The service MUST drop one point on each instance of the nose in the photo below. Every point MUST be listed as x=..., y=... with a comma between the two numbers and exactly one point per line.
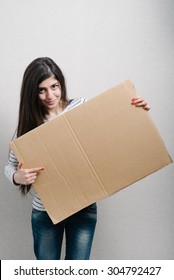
x=49, y=94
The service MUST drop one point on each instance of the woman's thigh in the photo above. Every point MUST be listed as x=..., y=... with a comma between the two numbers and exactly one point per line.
x=47, y=237
x=80, y=229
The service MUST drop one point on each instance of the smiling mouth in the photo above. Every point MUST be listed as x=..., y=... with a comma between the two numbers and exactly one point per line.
x=50, y=103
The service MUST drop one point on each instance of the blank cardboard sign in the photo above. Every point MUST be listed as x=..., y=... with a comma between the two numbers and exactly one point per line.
x=92, y=151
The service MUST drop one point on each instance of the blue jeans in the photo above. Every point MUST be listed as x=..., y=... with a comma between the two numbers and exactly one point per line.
x=79, y=231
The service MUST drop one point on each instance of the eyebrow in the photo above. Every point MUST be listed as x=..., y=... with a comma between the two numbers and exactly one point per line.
x=57, y=83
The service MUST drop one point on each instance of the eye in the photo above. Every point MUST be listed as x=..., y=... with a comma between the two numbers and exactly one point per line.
x=41, y=90
x=55, y=86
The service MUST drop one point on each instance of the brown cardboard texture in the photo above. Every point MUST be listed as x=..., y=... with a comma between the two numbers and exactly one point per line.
x=92, y=151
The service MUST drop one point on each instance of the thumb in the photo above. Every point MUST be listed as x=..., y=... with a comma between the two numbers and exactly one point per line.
x=20, y=165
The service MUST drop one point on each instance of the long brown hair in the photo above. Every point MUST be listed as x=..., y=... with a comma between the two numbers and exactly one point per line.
x=31, y=111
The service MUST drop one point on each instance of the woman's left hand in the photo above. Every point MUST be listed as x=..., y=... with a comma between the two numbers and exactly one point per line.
x=140, y=102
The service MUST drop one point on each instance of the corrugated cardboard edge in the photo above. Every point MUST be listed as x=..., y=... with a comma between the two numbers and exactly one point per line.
x=127, y=85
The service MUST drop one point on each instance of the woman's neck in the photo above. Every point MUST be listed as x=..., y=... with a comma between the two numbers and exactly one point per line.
x=52, y=113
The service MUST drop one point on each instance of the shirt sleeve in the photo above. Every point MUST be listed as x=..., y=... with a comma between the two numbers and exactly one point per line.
x=11, y=167
x=76, y=102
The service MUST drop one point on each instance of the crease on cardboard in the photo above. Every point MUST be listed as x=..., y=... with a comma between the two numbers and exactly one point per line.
x=61, y=176
x=54, y=202
x=46, y=151
x=85, y=155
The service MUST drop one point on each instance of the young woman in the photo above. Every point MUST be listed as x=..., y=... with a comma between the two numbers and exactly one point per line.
x=43, y=97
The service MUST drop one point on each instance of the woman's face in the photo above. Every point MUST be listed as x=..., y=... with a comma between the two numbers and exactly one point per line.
x=50, y=93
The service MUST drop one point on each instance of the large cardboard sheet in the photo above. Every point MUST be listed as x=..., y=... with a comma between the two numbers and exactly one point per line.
x=92, y=151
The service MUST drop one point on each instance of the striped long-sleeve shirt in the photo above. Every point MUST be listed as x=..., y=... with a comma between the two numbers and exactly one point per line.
x=12, y=163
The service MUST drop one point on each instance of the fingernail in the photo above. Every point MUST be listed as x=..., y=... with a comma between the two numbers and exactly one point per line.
x=133, y=99
x=42, y=168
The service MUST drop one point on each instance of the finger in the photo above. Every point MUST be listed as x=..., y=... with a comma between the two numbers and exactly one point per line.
x=30, y=180
x=137, y=99
x=20, y=164
x=141, y=103
x=35, y=170
x=28, y=175
x=147, y=108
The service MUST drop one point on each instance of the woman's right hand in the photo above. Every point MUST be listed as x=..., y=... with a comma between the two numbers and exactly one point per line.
x=26, y=176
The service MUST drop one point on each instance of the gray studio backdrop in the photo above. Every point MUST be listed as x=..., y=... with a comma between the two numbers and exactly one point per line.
x=97, y=44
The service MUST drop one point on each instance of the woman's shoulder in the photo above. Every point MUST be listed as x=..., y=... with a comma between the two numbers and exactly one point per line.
x=75, y=102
